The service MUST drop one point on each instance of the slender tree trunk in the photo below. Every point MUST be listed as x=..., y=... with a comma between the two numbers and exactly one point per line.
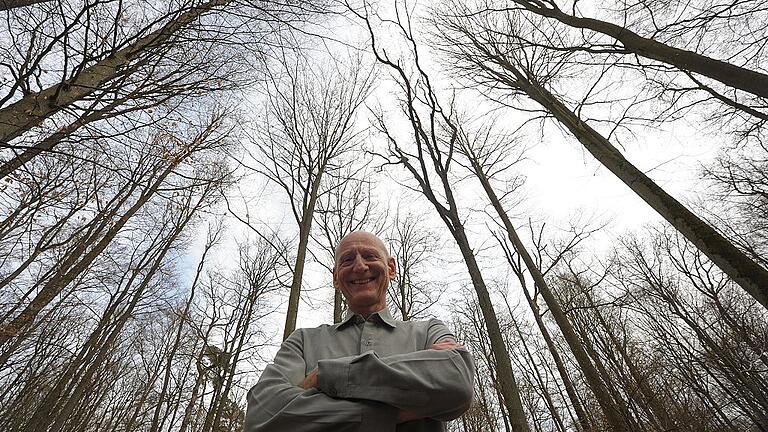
x=509, y=388
x=298, y=274
x=433, y=158
x=570, y=389
x=305, y=228
x=612, y=388
x=177, y=339
x=336, y=306
x=539, y=380
x=610, y=410
x=243, y=327
x=190, y=408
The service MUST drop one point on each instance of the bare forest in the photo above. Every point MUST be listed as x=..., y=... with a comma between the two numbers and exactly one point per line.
x=175, y=176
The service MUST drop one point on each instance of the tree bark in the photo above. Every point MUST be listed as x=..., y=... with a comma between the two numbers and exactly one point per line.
x=13, y=4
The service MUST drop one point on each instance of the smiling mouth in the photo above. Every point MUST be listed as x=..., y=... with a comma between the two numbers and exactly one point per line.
x=362, y=281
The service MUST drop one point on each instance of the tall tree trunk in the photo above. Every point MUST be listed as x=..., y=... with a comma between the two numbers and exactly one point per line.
x=186, y=420
x=509, y=388
x=429, y=165
x=570, y=389
x=612, y=413
x=155, y=424
x=336, y=306
x=305, y=228
x=560, y=426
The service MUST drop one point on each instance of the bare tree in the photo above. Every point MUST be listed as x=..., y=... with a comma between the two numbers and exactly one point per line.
x=487, y=412
x=347, y=207
x=104, y=230
x=306, y=133
x=632, y=43
x=213, y=237
x=738, y=201
x=670, y=336
x=480, y=44
x=31, y=110
x=486, y=157
x=428, y=159
x=141, y=59
x=414, y=245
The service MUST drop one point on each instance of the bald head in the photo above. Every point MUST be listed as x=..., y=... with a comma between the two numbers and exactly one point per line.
x=360, y=236
x=362, y=271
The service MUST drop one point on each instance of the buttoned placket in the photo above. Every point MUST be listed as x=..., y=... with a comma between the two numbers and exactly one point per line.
x=367, y=336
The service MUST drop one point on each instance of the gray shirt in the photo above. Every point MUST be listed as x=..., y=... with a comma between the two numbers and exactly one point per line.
x=368, y=370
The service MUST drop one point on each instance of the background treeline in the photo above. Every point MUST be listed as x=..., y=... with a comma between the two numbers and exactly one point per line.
x=174, y=177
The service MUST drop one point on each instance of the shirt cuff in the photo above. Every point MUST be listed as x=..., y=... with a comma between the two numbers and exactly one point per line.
x=333, y=377
x=378, y=417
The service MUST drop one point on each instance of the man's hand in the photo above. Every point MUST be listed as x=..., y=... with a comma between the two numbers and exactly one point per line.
x=310, y=380
x=404, y=416
x=446, y=344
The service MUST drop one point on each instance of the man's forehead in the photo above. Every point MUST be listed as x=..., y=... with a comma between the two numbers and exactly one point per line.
x=361, y=239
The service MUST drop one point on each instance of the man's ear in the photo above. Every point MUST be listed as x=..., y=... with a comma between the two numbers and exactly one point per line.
x=335, y=281
x=392, y=265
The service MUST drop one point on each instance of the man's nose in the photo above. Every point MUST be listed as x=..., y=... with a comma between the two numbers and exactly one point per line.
x=359, y=264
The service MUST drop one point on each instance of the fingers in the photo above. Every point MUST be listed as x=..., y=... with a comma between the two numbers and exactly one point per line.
x=446, y=344
x=310, y=380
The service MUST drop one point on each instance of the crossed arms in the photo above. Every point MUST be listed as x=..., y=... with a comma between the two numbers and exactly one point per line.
x=360, y=393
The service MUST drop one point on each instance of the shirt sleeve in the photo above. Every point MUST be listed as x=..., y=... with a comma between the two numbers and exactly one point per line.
x=431, y=383
x=276, y=403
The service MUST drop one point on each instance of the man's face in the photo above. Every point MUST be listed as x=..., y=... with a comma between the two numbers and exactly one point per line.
x=362, y=272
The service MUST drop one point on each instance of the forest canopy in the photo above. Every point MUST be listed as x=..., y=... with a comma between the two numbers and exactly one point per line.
x=578, y=189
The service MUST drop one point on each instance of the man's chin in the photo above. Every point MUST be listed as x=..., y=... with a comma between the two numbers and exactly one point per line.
x=366, y=300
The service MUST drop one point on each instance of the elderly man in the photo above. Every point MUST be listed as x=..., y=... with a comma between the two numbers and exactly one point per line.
x=369, y=372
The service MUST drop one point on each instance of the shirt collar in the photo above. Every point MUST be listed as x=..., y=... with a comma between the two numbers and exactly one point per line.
x=381, y=316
